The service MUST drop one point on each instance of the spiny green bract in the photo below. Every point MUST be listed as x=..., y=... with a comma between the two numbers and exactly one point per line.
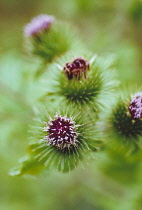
x=42, y=155
x=127, y=130
x=89, y=91
x=59, y=39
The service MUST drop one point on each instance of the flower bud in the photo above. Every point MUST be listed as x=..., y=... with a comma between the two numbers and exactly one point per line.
x=49, y=39
x=126, y=123
x=81, y=79
x=62, y=139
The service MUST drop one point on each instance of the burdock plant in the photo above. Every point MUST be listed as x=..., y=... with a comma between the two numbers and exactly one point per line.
x=48, y=38
x=126, y=121
x=62, y=138
x=81, y=79
x=76, y=83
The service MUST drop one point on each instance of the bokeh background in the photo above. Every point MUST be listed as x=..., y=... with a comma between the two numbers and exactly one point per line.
x=112, y=181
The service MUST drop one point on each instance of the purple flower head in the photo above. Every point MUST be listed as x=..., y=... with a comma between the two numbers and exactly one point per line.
x=135, y=107
x=61, y=132
x=38, y=24
x=76, y=69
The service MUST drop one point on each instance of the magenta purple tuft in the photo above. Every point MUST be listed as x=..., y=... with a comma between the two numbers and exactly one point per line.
x=135, y=107
x=38, y=24
x=61, y=132
x=76, y=69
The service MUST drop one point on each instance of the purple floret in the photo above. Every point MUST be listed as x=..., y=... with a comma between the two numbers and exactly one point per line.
x=135, y=107
x=76, y=69
x=61, y=132
x=38, y=24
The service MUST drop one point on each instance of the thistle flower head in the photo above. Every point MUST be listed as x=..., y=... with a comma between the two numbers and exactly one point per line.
x=61, y=132
x=125, y=122
x=76, y=69
x=66, y=140
x=38, y=24
x=135, y=107
x=84, y=82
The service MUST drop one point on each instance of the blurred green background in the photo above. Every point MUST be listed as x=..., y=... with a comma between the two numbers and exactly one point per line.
x=112, y=181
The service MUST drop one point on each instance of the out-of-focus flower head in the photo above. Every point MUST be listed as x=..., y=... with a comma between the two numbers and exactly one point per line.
x=38, y=24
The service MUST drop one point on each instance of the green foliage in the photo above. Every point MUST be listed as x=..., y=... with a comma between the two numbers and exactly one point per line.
x=135, y=10
x=121, y=167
